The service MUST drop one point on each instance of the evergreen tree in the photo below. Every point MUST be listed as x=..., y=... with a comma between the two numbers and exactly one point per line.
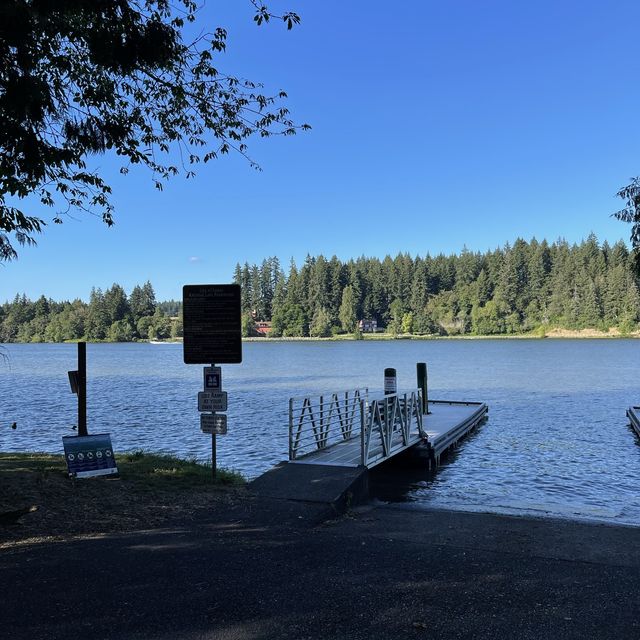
x=98, y=318
x=320, y=326
x=116, y=304
x=142, y=301
x=348, y=318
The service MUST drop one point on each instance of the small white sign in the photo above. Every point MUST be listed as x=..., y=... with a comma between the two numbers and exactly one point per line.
x=214, y=423
x=390, y=385
x=212, y=401
x=212, y=378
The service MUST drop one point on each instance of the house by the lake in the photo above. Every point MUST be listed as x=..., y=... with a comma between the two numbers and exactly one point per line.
x=368, y=326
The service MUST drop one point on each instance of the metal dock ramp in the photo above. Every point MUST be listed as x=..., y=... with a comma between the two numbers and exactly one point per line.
x=350, y=429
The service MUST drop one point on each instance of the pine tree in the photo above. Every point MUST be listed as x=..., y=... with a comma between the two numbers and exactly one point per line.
x=348, y=318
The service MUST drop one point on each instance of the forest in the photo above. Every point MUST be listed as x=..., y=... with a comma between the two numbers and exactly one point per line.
x=109, y=316
x=520, y=288
x=528, y=287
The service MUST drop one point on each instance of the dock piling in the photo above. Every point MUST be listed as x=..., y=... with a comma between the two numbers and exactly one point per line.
x=421, y=371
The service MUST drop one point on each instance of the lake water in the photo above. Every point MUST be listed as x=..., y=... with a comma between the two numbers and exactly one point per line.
x=556, y=443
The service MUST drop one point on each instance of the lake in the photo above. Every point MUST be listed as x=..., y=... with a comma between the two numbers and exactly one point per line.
x=557, y=441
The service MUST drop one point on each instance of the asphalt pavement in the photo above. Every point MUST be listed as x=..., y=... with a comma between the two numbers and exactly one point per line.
x=276, y=569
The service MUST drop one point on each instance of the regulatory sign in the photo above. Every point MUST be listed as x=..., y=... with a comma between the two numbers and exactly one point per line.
x=89, y=456
x=213, y=423
x=212, y=326
x=212, y=378
x=212, y=401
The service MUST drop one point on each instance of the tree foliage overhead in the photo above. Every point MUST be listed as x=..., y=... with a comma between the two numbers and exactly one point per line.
x=631, y=214
x=80, y=77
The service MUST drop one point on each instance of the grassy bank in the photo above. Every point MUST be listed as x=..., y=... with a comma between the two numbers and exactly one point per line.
x=39, y=500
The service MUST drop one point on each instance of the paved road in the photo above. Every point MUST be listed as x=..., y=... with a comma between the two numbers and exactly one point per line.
x=269, y=570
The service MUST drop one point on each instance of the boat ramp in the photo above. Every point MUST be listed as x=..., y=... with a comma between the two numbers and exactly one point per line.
x=337, y=438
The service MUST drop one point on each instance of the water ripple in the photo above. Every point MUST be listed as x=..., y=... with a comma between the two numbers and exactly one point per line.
x=556, y=443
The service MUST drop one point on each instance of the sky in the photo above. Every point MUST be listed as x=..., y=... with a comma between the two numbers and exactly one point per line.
x=435, y=126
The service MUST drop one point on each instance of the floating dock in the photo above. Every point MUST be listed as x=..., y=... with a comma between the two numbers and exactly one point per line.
x=633, y=413
x=446, y=423
x=334, y=440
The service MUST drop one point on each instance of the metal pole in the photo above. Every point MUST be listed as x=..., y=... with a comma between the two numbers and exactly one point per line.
x=82, y=389
x=363, y=460
x=421, y=370
x=214, y=462
x=292, y=454
x=213, y=456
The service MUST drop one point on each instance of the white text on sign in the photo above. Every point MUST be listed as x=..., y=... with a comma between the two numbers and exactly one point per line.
x=212, y=401
x=214, y=423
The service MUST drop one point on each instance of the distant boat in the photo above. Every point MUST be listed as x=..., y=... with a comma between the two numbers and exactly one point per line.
x=162, y=342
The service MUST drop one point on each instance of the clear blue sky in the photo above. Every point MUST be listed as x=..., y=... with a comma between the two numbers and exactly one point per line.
x=435, y=125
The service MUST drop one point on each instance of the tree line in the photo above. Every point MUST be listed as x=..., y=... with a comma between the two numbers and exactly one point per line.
x=524, y=287
x=109, y=315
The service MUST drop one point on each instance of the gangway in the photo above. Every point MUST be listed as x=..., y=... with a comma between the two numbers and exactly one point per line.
x=352, y=429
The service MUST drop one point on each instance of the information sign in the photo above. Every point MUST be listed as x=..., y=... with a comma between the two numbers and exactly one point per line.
x=214, y=423
x=212, y=323
x=89, y=456
x=212, y=378
x=212, y=401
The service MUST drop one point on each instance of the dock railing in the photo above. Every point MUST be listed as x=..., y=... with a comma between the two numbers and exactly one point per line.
x=384, y=425
x=316, y=423
x=390, y=424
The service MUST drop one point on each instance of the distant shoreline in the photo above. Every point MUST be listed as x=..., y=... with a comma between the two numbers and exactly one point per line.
x=553, y=334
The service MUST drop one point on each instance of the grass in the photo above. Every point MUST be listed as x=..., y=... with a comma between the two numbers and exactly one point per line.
x=151, y=489
x=171, y=472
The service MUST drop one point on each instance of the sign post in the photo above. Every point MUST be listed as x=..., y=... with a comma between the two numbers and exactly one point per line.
x=78, y=382
x=214, y=460
x=212, y=333
x=82, y=389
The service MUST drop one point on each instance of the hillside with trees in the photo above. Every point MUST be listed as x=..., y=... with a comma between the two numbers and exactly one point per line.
x=519, y=288
x=527, y=287
x=109, y=316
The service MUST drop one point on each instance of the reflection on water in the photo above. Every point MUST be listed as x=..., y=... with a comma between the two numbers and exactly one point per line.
x=557, y=440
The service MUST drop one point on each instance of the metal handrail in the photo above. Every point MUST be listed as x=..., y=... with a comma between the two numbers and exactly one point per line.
x=312, y=423
x=386, y=424
x=396, y=419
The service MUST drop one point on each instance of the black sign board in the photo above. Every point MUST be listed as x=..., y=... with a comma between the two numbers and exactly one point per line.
x=212, y=323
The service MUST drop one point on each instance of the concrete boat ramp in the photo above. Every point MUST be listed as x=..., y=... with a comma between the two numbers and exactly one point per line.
x=335, y=440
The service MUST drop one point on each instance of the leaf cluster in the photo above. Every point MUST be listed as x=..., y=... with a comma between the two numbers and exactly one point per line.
x=84, y=77
x=631, y=213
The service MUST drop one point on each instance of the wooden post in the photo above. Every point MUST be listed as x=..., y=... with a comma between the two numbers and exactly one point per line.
x=82, y=389
x=421, y=370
